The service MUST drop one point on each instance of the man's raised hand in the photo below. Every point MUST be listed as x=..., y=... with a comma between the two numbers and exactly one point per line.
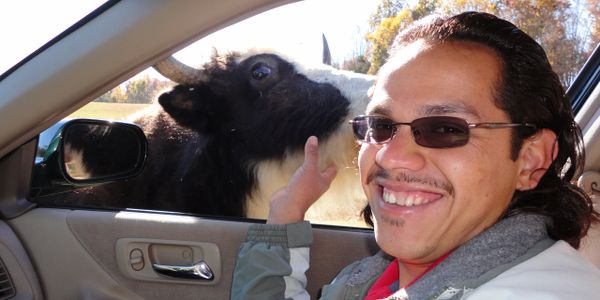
x=307, y=184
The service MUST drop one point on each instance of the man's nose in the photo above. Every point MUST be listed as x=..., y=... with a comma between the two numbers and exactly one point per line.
x=401, y=152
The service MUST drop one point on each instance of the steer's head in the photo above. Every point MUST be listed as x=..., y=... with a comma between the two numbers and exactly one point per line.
x=263, y=102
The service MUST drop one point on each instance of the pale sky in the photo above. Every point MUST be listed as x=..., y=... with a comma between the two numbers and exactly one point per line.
x=296, y=30
x=25, y=25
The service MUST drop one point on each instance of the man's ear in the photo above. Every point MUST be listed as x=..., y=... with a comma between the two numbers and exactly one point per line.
x=535, y=157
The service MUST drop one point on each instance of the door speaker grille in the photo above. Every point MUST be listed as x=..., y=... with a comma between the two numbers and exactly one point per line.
x=7, y=288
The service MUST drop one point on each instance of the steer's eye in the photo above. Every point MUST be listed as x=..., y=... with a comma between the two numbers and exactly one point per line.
x=260, y=72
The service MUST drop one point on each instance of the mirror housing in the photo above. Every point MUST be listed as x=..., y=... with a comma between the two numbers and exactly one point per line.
x=84, y=152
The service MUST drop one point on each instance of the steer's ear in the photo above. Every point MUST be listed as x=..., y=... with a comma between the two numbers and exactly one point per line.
x=193, y=106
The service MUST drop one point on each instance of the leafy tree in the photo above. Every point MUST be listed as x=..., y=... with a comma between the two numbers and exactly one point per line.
x=593, y=7
x=548, y=22
x=137, y=91
x=358, y=64
x=562, y=27
x=143, y=90
x=386, y=9
x=392, y=17
x=382, y=38
x=423, y=8
x=116, y=95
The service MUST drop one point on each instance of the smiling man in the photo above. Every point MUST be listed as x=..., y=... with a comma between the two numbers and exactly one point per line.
x=463, y=161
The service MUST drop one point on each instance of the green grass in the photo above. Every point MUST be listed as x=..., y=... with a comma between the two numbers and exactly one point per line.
x=110, y=111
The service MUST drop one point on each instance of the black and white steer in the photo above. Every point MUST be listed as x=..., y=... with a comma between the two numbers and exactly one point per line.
x=232, y=133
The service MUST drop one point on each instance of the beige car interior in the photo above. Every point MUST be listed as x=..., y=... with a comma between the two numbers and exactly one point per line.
x=54, y=253
x=589, y=120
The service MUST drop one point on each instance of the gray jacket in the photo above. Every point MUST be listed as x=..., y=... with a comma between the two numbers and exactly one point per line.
x=272, y=262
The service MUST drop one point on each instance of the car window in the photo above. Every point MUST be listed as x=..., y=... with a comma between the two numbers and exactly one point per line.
x=177, y=178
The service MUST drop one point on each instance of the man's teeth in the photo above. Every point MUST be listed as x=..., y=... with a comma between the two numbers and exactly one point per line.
x=403, y=199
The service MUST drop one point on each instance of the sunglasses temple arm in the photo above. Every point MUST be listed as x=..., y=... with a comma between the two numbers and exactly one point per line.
x=502, y=125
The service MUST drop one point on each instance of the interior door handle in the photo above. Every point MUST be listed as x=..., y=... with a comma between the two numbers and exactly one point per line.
x=199, y=270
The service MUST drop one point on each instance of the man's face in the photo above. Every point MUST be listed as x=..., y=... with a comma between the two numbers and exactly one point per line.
x=455, y=193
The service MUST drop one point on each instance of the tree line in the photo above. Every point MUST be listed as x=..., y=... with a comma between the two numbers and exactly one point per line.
x=143, y=90
x=568, y=30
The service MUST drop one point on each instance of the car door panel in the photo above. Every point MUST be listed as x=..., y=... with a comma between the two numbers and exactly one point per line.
x=85, y=246
x=17, y=275
x=64, y=266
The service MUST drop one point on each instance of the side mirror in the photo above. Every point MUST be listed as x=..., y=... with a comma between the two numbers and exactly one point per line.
x=85, y=152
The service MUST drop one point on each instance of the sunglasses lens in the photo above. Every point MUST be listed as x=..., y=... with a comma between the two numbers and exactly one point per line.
x=360, y=128
x=373, y=130
x=440, y=132
x=431, y=132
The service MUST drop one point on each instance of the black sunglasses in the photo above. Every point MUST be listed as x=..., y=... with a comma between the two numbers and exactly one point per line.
x=430, y=132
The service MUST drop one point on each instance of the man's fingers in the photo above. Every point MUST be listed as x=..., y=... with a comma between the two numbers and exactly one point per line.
x=308, y=183
x=311, y=152
x=311, y=161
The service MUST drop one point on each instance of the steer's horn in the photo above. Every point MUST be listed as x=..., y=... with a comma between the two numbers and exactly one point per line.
x=326, y=52
x=179, y=72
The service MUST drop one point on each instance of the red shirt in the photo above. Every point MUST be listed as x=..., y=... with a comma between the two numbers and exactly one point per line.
x=388, y=283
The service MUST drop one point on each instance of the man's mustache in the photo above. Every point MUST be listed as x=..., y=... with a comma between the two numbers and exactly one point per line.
x=379, y=172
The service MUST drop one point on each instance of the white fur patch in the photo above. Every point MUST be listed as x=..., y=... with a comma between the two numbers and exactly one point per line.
x=340, y=205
